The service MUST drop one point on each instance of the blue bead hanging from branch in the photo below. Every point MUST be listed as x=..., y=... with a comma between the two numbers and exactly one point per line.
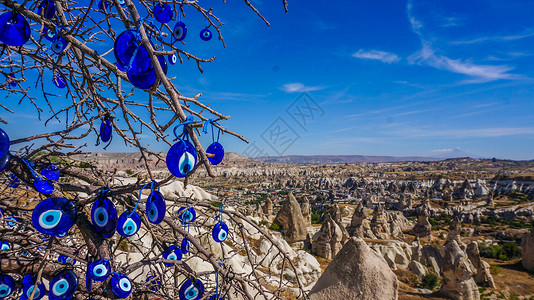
x=54, y=216
x=220, y=230
x=41, y=184
x=215, y=150
x=104, y=215
x=182, y=156
x=63, y=285
x=14, y=29
x=28, y=283
x=7, y=286
x=121, y=285
x=191, y=289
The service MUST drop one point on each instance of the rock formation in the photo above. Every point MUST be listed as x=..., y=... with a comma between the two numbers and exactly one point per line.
x=458, y=272
x=306, y=210
x=422, y=229
x=483, y=276
x=360, y=226
x=334, y=212
x=379, y=223
x=329, y=239
x=357, y=272
x=527, y=248
x=268, y=207
x=290, y=219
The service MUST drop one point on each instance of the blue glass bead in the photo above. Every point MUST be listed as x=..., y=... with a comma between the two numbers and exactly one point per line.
x=7, y=286
x=186, y=215
x=13, y=181
x=13, y=83
x=4, y=161
x=218, y=151
x=49, y=34
x=185, y=246
x=43, y=186
x=181, y=158
x=153, y=283
x=104, y=217
x=131, y=54
x=172, y=253
x=180, y=31
x=63, y=285
x=49, y=7
x=163, y=13
x=103, y=5
x=28, y=283
x=192, y=289
x=216, y=297
x=59, y=81
x=12, y=221
x=4, y=143
x=54, y=216
x=4, y=246
x=128, y=224
x=50, y=172
x=14, y=29
x=220, y=232
x=121, y=285
x=58, y=45
x=173, y=59
x=63, y=259
x=122, y=3
x=88, y=281
x=99, y=270
x=146, y=81
x=105, y=130
x=205, y=34
x=62, y=234
x=155, y=207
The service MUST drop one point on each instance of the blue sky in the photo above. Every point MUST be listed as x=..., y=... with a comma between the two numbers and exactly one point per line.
x=387, y=77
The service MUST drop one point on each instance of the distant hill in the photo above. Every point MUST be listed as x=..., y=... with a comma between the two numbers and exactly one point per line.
x=339, y=159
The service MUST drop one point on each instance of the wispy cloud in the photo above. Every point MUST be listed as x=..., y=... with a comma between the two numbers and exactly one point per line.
x=298, y=87
x=412, y=132
x=497, y=38
x=385, y=57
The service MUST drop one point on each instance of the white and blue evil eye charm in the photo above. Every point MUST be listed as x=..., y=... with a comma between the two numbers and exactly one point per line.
x=180, y=31
x=4, y=246
x=12, y=221
x=122, y=3
x=192, y=289
x=173, y=59
x=186, y=215
x=205, y=34
x=58, y=44
x=54, y=216
x=49, y=34
x=155, y=207
x=99, y=270
x=181, y=158
x=172, y=252
x=28, y=283
x=129, y=223
x=121, y=285
x=63, y=259
x=104, y=216
x=185, y=246
x=63, y=285
x=7, y=286
x=220, y=232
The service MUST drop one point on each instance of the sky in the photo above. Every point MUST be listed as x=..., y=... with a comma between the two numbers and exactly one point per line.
x=400, y=78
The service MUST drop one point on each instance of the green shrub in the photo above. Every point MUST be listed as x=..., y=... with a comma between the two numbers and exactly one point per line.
x=85, y=165
x=264, y=222
x=505, y=251
x=429, y=281
x=315, y=219
x=495, y=269
x=129, y=172
x=275, y=227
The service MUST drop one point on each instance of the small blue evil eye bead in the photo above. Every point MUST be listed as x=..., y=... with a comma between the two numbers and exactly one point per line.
x=63, y=285
x=48, y=7
x=99, y=270
x=122, y=3
x=185, y=246
x=218, y=153
x=121, y=285
x=180, y=31
x=49, y=34
x=4, y=161
x=173, y=59
x=63, y=259
x=205, y=34
x=4, y=143
x=59, y=81
x=155, y=207
x=43, y=186
x=104, y=216
x=103, y=5
x=54, y=216
x=50, y=172
x=7, y=286
x=28, y=283
x=220, y=232
x=128, y=224
x=13, y=181
x=4, y=246
x=163, y=13
x=186, y=215
x=13, y=83
x=181, y=158
x=192, y=289
x=58, y=45
x=172, y=253
x=105, y=130
x=153, y=283
x=12, y=221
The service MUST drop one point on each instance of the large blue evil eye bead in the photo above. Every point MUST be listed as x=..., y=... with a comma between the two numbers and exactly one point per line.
x=155, y=207
x=4, y=161
x=63, y=285
x=192, y=289
x=186, y=215
x=43, y=186
x=59, y=81
x=50, y=172
x=54, y=216
x=163, y=13
x=185, y=246
x=104, y=216
x=7, y=286
x=4, y=246
x=121, y=285
x=181, y=158
x=28, y=283
x=218, y=153
x=205, y=34
x=105, y=130
x=172, y=253
x=58, y=45
x=4, y=143
x=180, y=31
x=128, y=224
x=130, y=54
x=14, y=29
x=48, y=7
x=99, y=270
x=220, y=232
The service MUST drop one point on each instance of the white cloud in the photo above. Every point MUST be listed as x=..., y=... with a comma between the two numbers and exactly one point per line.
x=385, y=57
x=298, y=87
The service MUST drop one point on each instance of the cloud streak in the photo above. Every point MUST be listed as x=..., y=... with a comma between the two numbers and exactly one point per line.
x=298, y=87
x=461, y=132
x=385, y=57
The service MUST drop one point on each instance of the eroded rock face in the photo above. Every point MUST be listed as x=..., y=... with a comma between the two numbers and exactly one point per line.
x=329, y=240
x=527, y=247
x=422, y=229
x=379, y=223
x=306, y=210
x=357, y=272
x=290, y=219
x=483, y=276
x=268, y=207
x=360, y=226
x=458, y=272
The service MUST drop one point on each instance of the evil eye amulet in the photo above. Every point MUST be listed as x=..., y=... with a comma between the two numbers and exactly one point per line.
x=220, y=232
x=130, y=54
x=59, y=81
x=49, y=34
x=104, y=216
x=105, y=130
x=4, y=143
x=58, y=45
x=192, y=289
x=48, y=7
x=216, y=297
x=103, y=5
x=7, y=286
x=153, y=283
x=128, y=224
x=63, y=285
x=163, y=13
x=185, y=246
x=180, y=31
x=43, y=186
x=186, y=215
x=54, y=216
x=218, y=153
x=205, y=34
x=181, y=158
x=121, y=285
x=122, y=3
x=28, y=283
x=14, y=29
x=173, y=59
x=172, y=253
x=50, y=172
x=4, y=161
x=155, y=207
x=63, y=259
x=99, y=270
x=4, y=246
